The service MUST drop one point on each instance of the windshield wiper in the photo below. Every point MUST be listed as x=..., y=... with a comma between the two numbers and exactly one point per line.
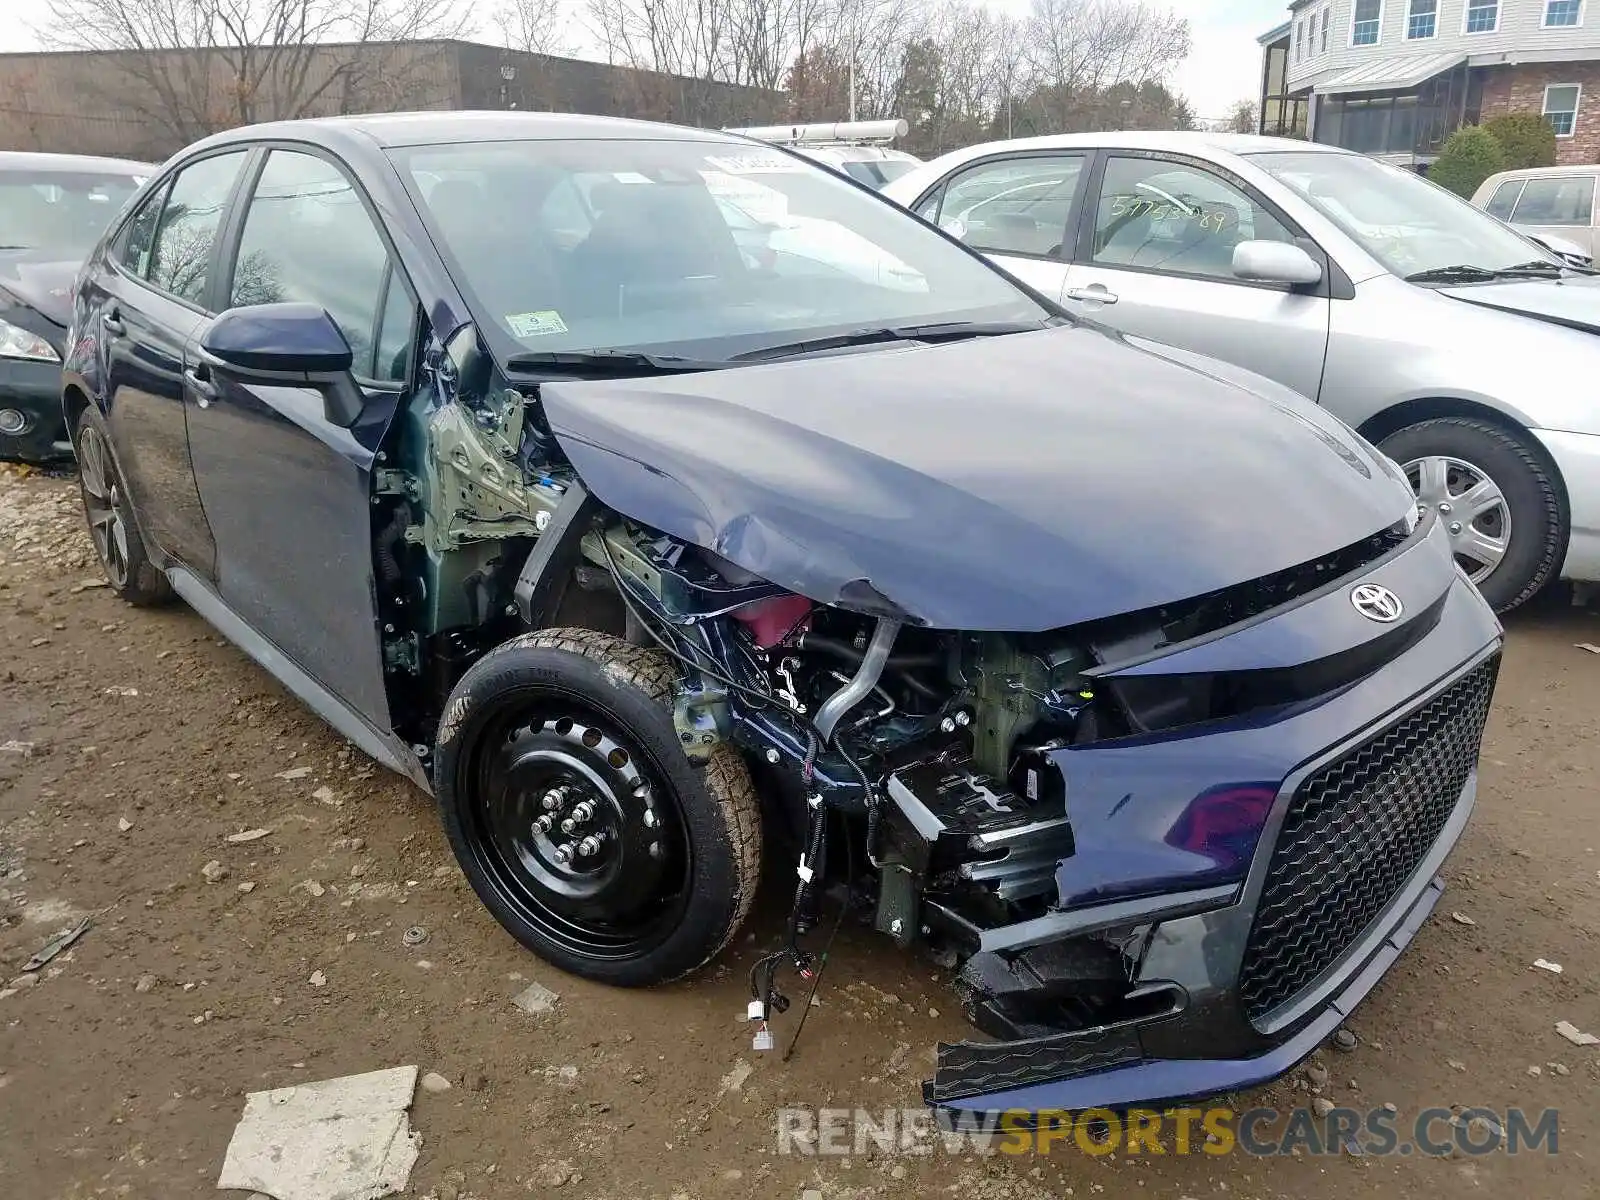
x=940, y=331
x=1537, y=268
x=609, y=362
x=1467, y=273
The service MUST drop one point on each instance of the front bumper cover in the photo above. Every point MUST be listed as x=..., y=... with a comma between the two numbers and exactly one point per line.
x=1190, y=1034
x=33, y=389
x=1115, y=1068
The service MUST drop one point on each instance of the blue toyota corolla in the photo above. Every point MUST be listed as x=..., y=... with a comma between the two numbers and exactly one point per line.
x=659, y=501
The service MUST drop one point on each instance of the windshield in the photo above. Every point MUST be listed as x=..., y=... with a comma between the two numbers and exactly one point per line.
x=694, y=249
x=1408, y=224
x=60, y=210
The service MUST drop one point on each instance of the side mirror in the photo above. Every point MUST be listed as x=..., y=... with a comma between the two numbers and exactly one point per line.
x=289, y=344
x=1275, y=262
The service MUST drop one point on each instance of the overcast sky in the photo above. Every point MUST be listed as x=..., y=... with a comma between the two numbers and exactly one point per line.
x=1224, y=67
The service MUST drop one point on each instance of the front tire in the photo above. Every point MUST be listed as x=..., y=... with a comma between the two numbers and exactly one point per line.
x=578, y=820
x=1498, y=498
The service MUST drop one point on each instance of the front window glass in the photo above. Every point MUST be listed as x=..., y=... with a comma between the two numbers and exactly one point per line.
x=1483, y=16
x=1402, y=220
x=60, y=210
x=1556, y=200
x=307, y=237
x=696, y=248
x=1164, y=216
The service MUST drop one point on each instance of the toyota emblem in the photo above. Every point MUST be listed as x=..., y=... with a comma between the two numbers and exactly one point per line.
x=1376, y=603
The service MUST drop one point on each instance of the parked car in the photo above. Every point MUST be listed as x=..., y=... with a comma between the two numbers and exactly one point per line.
x=1568, y=252
x=53, y=207
x=1430, y=328
x=1545, y=202
x=1126, y=682
x=859, y=149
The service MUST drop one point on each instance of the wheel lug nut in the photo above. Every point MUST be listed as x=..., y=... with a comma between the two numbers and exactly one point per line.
x=655, y=850
x=568, y=824
x=563, y=853
x=589, y=845
x=544, y=823
x=1444, y=507
x=649, y=818
x=582, y=811
x=553, y=798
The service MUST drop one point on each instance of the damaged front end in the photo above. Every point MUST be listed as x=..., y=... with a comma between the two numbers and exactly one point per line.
x=1166, y=803
x=1163, y=854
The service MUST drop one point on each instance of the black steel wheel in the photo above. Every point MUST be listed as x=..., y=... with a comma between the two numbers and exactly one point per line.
x=576, y=817
x=107, y=509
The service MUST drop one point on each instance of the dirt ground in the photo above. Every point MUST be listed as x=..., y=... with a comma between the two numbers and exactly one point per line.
x=133, y=743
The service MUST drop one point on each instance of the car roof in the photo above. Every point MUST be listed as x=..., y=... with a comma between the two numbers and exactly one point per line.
x=1175, y=140
x=1564, y=169
x=441, y=128
x=21, y=160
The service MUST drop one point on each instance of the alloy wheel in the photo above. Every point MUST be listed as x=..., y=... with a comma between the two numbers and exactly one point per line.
x=103, y=505
x=577, y=832
x=1471, y=506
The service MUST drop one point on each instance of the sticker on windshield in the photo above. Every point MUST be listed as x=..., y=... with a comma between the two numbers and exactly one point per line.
x=535, y=324
x=754, y=162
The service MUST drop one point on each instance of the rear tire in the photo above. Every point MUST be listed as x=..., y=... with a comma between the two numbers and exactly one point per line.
x=555, y=720
x=109, y=513
x=1448, y=459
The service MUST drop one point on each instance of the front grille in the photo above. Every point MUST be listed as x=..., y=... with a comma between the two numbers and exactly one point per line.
x=1355, y=832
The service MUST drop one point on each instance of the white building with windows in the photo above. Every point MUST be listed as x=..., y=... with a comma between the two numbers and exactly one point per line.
x=1397, y=77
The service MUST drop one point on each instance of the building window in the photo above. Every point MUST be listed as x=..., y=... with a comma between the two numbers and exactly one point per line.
x=1422, y=20
x=1563, y=12
x=1299, y=41
x=1326, y=13
x=1483, y=16
x=1366, y=21
x=1561, y=107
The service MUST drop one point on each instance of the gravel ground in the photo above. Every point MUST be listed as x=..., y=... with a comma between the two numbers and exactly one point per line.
x=133, y=744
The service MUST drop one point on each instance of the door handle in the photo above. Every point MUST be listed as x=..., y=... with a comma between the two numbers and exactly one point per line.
x=112, y=324
x=1093, y=294
x=204, y=391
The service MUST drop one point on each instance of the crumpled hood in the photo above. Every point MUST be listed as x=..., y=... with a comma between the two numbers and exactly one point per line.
x=41, y=280
x=1573, y=301
x=1008, y=483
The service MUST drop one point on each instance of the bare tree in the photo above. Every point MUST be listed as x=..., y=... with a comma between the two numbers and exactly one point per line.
x=1243, y=117
x=191, y=67
x=534, y=26
x=1084, y=47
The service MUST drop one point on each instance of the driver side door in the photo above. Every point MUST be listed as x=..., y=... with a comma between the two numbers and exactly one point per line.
x=287, y=491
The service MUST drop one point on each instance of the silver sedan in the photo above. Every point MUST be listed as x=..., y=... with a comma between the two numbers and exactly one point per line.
x=1464, y=351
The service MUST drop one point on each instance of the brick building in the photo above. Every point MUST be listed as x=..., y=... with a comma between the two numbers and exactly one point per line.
x=150, y=104
x=1395, y=78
